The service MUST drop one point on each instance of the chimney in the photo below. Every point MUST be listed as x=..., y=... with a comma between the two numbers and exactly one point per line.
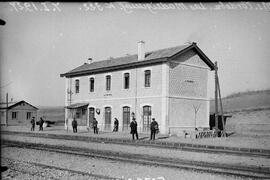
x=90, y=60
x=141, y=50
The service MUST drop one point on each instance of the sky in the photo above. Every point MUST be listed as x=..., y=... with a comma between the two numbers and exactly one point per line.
x=41, y=41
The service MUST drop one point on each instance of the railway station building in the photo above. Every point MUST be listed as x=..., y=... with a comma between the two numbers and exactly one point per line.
x=170, y=85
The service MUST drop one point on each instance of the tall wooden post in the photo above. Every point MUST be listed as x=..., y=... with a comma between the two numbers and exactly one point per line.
x=7, y=110
x=216, y=96
x=221, y=110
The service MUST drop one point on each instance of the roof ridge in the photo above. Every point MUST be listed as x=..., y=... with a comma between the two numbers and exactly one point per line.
x=115, y=58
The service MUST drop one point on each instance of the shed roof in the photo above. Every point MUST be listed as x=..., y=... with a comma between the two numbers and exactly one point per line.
x=3, y=105
x=130, y=61
x=77, y=105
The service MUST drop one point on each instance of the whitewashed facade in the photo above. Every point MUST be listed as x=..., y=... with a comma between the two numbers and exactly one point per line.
x=168, y=85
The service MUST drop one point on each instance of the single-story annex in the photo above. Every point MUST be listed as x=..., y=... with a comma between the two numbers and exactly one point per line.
x=17, y=113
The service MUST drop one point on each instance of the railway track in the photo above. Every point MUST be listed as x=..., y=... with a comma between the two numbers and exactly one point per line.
x=225, y=169
x=87, y=175
x=165, y=145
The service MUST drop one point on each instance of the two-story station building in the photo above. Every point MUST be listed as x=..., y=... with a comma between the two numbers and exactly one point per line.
x=170, y=85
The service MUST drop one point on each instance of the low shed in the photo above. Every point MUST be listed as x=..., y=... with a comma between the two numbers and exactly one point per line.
x=15, y=113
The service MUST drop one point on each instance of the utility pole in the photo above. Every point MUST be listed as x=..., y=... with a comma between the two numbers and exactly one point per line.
x=216, y=96
x=7, y=110
x=218, y=100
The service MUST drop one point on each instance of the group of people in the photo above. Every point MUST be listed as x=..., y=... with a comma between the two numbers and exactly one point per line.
x=153, y=128
x=133, y=127
x=40, y=123
x=94, y=125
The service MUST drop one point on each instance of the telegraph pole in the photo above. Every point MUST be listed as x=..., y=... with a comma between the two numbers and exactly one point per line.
x=216, y=96
x=7, y=110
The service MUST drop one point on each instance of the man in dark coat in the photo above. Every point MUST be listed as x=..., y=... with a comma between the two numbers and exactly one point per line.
x=95, y=124
x=133, y=128
x=116, y=123
x=153, y=128
x=74, y=125
x=33, y=124
x=41, y=121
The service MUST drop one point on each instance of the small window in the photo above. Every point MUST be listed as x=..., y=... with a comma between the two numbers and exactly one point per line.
x=147, y=78
x=28, y=115
x=126, y=81
x=83, y=111
x=108, y=82
x=78, y=115
x=77, y=86
x=14, y=115
x=92, y=84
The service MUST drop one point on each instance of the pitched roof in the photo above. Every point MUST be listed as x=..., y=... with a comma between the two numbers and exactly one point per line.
x=129, y=61
x=3, y=105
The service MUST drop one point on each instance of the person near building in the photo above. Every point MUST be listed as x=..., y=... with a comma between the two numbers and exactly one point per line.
x=33, y=122
x=95, y=126
x=133, y=128
x=116, y=124
x=41, y=122
x=74, y=125
x=154, y=129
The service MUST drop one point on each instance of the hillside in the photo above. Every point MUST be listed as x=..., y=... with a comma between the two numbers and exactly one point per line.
x=250, y=113
x=52, y=113
x=252, y=100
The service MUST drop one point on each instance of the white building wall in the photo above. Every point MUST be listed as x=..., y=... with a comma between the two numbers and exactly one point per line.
x=135, y=97
x=176, y=89
x=188, y=84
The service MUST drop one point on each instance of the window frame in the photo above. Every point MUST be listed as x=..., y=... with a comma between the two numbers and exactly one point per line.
x=14, y=115
x=28, y=117
x=147, y=78
x=108, y=82
x=77, y=86
x=91, y=84
x=126, y=81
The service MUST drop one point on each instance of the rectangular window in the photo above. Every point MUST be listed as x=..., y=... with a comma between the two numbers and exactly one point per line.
x=92, y=84
x=83, y=111
x=147, y=78
x=108, y=82
x=14, y=115
x=77, y=86
x=126, y=81
x=78, y=114
x=28, y=115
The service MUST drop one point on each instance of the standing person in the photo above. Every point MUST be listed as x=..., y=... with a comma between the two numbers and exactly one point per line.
x=41, y=121
x=153, y=128
x=116, y=123
x=133, y=127
x=74, y=125
x=33, y=124
x=95, y=123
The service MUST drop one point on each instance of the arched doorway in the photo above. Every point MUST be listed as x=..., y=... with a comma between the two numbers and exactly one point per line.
x=108, y=118
x=91, y=116
x=146, y=118
x=126, y=118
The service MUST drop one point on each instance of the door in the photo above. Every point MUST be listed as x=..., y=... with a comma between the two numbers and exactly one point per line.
x=91, y=116
x=108, y=118
x=126, y=118
x=146, y=118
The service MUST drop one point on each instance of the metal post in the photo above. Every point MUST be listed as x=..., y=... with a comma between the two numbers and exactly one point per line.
x=216, y=96
x=7, y=110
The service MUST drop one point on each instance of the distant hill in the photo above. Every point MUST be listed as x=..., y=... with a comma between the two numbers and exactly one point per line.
x=52, y=113
x=250, y=100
